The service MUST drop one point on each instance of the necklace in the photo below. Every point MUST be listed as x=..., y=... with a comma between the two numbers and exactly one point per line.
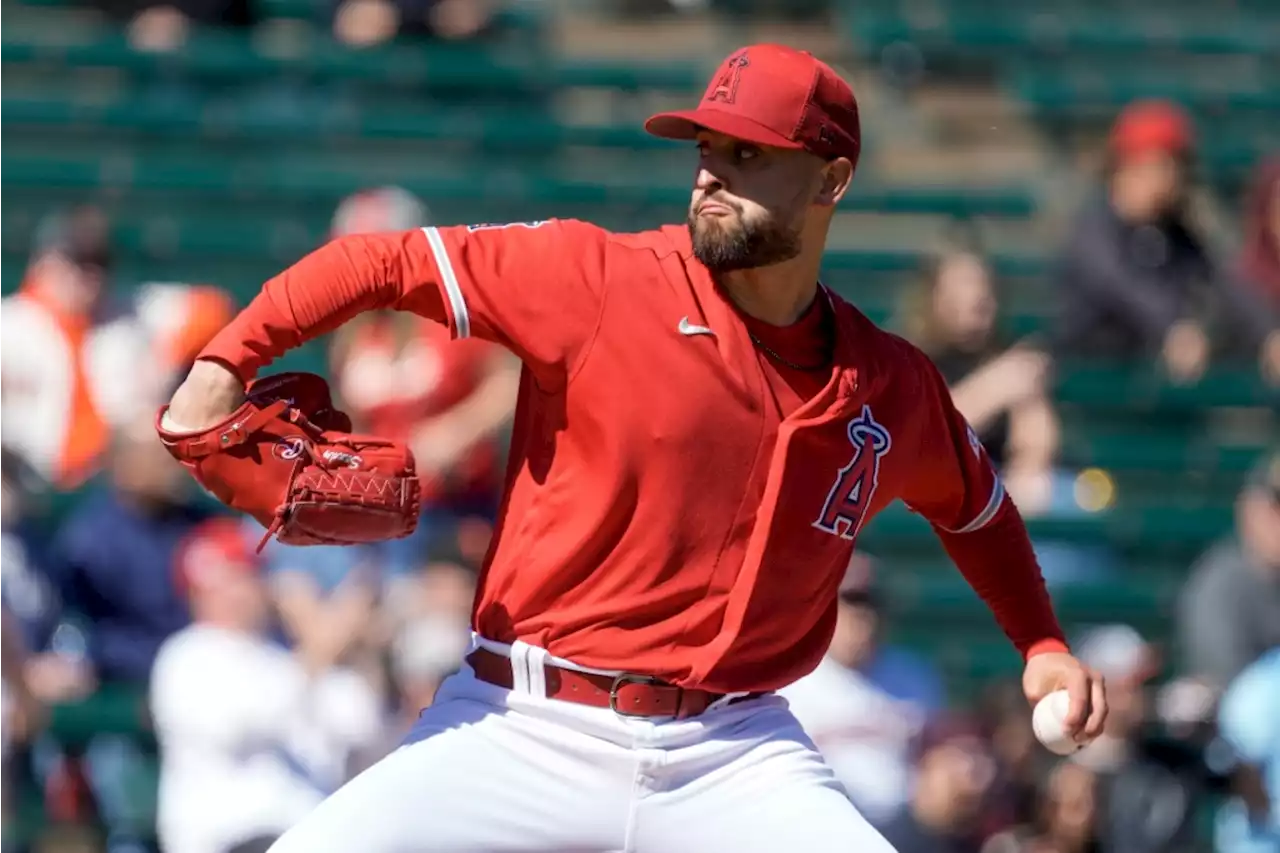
x=787, y=362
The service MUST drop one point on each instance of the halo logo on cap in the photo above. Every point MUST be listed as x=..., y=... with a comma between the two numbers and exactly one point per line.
x=726, y=87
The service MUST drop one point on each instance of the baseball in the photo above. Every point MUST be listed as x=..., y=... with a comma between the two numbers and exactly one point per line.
x=1046, y=722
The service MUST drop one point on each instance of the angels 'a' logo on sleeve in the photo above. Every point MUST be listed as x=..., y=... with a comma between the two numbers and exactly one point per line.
x=850, y=495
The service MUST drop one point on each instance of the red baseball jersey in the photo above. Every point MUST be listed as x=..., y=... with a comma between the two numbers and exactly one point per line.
x=678, y=501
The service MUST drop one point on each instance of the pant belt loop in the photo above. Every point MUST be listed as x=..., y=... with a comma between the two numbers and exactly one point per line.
x=520, y=668
x=536, y=661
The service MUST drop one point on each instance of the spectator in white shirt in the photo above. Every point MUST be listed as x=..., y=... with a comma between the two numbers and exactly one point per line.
x=867, y=702
x=251, y=737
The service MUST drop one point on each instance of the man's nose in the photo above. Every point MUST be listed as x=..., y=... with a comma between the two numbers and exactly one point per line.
x=708, y=181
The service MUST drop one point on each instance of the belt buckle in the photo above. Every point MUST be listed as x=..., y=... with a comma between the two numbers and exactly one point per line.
x=630, y=678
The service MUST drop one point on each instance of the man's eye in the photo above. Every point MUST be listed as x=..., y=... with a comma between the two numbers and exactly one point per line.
x=746, y=152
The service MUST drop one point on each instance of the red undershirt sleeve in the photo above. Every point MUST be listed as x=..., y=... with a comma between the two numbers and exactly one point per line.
x=998, y=562
x=957, y=489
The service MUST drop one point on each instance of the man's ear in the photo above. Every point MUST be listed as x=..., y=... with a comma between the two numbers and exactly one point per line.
x=836, y=177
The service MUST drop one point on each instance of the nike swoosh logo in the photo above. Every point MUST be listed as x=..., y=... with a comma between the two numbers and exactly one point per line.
x=687, y=328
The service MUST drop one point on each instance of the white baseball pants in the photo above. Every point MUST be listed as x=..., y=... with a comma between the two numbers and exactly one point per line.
x=489, y=770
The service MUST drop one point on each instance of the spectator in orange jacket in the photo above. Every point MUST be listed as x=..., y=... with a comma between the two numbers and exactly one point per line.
x=77, y=365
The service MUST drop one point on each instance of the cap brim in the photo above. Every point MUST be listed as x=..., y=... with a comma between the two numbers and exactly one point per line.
x=686, y=124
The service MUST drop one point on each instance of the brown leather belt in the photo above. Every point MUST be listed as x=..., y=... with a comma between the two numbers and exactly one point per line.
x=625, y=694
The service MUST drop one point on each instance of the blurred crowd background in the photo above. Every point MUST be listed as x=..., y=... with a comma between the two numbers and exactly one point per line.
x=1071, y=206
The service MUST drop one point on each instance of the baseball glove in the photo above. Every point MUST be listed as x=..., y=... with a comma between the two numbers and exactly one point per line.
x=288, y=458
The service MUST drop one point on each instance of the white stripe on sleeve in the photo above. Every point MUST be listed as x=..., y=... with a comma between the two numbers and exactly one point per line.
x=457, y=304
x=988, y=512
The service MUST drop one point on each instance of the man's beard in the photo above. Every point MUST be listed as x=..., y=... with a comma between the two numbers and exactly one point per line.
x=749, y=246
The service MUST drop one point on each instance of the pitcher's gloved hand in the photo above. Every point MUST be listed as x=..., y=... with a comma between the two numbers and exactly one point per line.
x=288, y=458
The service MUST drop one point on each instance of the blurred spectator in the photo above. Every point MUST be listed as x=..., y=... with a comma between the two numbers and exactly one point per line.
x=431, y=630
x=252, y=736
x=1135, y=277
x=1148, y=781
x=22, y=714
x=78, y=364
x=365, y=23
x=999, y=387
x=1020, y=759
x=113, y=556
x=71, y=370
x=1065, y=818
x=111, y=562
x=328, y=598
x=30, y=609
x=1070, y=812
x=1127, y=662
x=867, y=702
x=1249, y=722
x=162, y=26
x=1260, y=259
x=954, y=775
x=388, y=208
x=177, y=320
x=30, y=601
x=1229, y=612
x=772, y=10
x=403, y=377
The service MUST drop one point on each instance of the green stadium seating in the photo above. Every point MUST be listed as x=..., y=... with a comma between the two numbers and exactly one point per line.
x=1167, y=525
x=1126, y=388
x=247, y=126
x=1075, y=65
x=1212, y=81
x=455, y=68
x=314, y=182
x=113, y=709
x=1091, y=28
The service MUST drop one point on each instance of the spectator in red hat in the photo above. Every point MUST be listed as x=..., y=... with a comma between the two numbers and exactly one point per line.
x=252, y=736
x=1135, y=278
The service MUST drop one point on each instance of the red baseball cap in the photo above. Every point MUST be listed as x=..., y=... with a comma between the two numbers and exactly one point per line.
x=771, y=94
x=211, y=551
x=1148, y=126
